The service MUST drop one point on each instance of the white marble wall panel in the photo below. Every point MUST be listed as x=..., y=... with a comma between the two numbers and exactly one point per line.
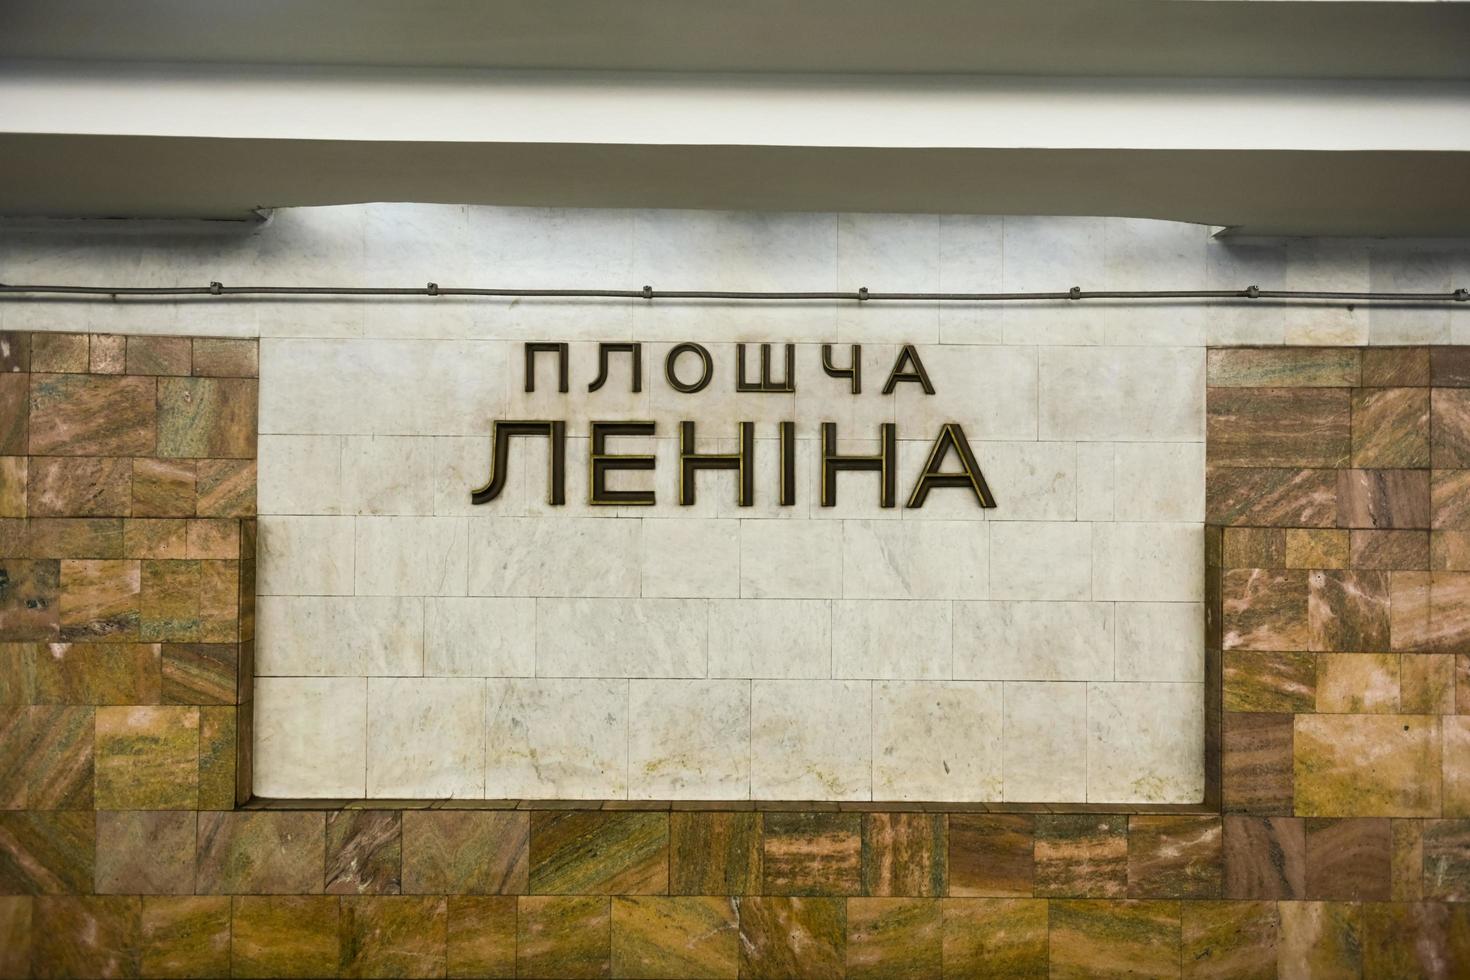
x=310, y=737
x=1159, y=481
x=479, y=637
x=412, y=556
x=1034, y=641
x=305, y=556
x=342, y=636
x=915, y=560
x=691, y=559
x=1160, y=641
x=811, y=740
x=569, y=557
x=890, y=640
x=770, y=639
x=387, y=475
x=937, y=741
x=426, y=737
x=689, y=739
x=784, y=560
x=1040, y=560
x=1143, y=562
x=1093, y=394
x=1045, y=741
x=1141, y=741
x=622, y=637
x=556, y=738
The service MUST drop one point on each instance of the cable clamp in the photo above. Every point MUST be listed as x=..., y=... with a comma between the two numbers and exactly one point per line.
x=216, y=288
x=648, y=292
x=1462, y=296
x=1075, y=292
x=1253, y=292
x=862, y=294
x=432, y=289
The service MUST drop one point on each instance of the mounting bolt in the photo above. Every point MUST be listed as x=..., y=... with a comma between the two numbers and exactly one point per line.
x=216, y=288
x=1462, y=296
x=862, y=294
x=648, y=292
x=1075, y=292
x=1253, y=292
x=432, y=289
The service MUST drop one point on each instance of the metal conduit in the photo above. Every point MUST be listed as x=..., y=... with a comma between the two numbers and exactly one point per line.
x=861, y=295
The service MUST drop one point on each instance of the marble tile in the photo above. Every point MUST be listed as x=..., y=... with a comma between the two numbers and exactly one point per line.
x=812, y=853
x=1446, y=872
x=1174, y=856
x=1035, y=641
x=479, y=637
x=1160, y=481
x=1147, y=562
x=466, y=852
x=425, y=737
x=30, y=603
x=339, y=636
x=937, y=741
x=715, y=853
x=398, y=935
x=96, y=673
x=482, y=936
x=689, y=739
x=401, y=556
x=364, y=852
x=1337, y=775
x=1391, y=427
x=86, y=935
x=310, y=737
x=1265, y=858
x=147, y=758
x=655, y=936
x=778, y=639
x=1016, y=573
x=305, y=556
x=1122, y=394
x=867, y=636
x=59, y=352
x=387, y=475
x=159, y=355
x=904, y=854
x=992, y=854
x=1456, y=769
x=1005, y=935
x=885, y=934
x=1092, y=938
x=186, y=936
x=811, y=740
x=1041, y=252
x=915, y=560
x=285, y=936
x=621, y=637
x=1358, y=683
x=1349, y=859
x=47, y=852
x=1081, y=855
x=1320, y=939
x=54, y=751
x=145, y=852
x=1045, y=742
x=300, y=474
x=79, y=486
x=901, y=251
x=262, y=852
x=783, y=937
x=1144, y=743
x=1285, y=367
x=1275, y=497
x=697, y=559
x=1317, y=548
x=569, y=557
x=224, y=357
x=1256, y=760
x=1306, y=427
x=1160, y=641
x=1229, y=939
x=88, y=415
x=557, y=739
x=589, y=852
x=790, y=560
x=1036, y=481
x=564, y=936
x=207, y=417
x=1096, y=481
x=1262, y=681
x=1384, y=498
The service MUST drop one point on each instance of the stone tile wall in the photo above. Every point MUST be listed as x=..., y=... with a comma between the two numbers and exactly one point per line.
x=1342, y=845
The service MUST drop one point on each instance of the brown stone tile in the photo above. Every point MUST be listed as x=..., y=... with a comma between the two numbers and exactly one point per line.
x=226, y=488
x=577, y=852
x=15, y=400
x=1383, y=498
x=889, y=937
x=47, y=852
x=1262, y=427
x=97, y=673
x=59, y=758
x=207, y=417
x=15, y=351
x=1449, y=366
x=75, y=537
x=1268, y=681
x=1358, y=683
x=1450, y=427
x=364, y=852
x=214, y=538
x=1449, y=551
x=1320, y=939
x=466, y=852
x=285, y=936
x=1271, y=497
x=1456, y=762
x=1316, y=548
x=1420, y=940
x=714, y=853
x=30, y=599
x=1081, y=855
x=482, y=936
x=904, y=854
x=217, y=753
x=163, y=488
x=1408, y=614
x=159, y=355
x=1174, y=856
x=15, y=925
x=1449, y=499
x=100, y=600
x=92, y=415
x=1256, y=763
x=79, y=486
x=813, y=854
x=169, y=601
x=186, y=937
x=1406, y=550
x=1228, y=940
x=1406, y=860
x=13, y=470
x=1265, y=858
x=1114, y=939
x=1395, y=366
x=1348, y=610
x=1349, y=860
x=564, y=936
x=1449, y=612
x=59, y=352
x=107, y=354
x=87, y=936
x=1366, y=765
x=1254, y=547
x=991, y=854
x=261, y=852
x=199, y=673
x=788, y=937
x=1391, y=428
x=145, y=852
x=226, y=357
x=1001, y=937
x=154, y=538
x=1283, y=367
x=1446, y=859
x=393, y=936
x=219, y=601
x=147, y=758
x=1265, y=609
x=674, y=938
x=18, y=673
x=12, y=536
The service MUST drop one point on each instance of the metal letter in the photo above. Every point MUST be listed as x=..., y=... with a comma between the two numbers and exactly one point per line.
x=600, y=462
x=673, y=379
x=788, y=463
x=603, y=350
x=854, y=371
x=951, y=436
x=915, y=372
x=501, y=433
x=883, y=463
x=560, y=350
x=766, y=383
x=743, y=462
